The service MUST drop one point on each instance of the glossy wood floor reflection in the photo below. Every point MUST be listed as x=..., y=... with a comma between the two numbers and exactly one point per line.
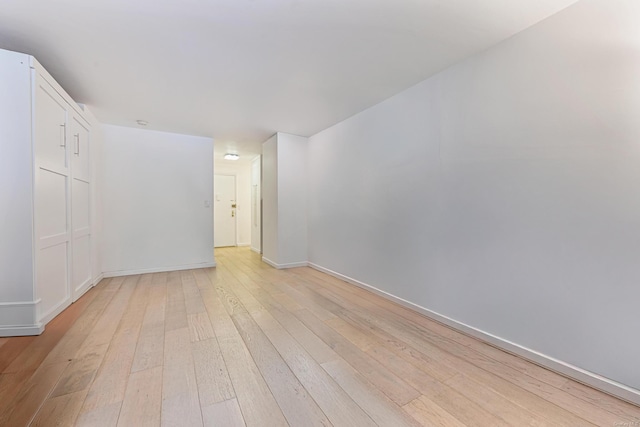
x=244, y=344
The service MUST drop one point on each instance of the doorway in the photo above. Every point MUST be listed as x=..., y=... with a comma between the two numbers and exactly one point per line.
x=224, y=211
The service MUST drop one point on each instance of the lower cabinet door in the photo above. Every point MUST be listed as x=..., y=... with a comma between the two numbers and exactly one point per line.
x=81, y=265
x=52, y=280
x=51, y=215
x=81, y=236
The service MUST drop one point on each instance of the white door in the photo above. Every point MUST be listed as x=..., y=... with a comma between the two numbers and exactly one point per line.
x=80, y=186
x=224, y=210
x=51, y=201
x=256, y=208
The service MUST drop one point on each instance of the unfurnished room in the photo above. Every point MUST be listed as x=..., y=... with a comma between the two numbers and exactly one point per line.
x=320, y=213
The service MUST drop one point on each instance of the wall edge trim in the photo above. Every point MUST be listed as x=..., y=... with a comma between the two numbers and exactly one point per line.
x=20, y=303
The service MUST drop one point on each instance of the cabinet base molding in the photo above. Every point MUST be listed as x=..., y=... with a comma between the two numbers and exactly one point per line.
x=118, y=273
x=21, y=331
x=97, y=279
x=90, y=283
x=46, y=317
x=568, y=370
x=17, y=319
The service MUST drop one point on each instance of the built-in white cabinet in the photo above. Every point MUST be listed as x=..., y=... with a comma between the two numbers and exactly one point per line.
x=45, y=183
x=80, y=204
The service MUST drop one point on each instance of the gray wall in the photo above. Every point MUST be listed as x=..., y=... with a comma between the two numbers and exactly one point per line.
x=284, y=193
x=155, y=189
x=292, y=199
x=503, y=192
x=16, y=182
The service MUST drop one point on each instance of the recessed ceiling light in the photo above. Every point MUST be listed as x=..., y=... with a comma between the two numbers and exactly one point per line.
x=142, y=122
x=231, y=156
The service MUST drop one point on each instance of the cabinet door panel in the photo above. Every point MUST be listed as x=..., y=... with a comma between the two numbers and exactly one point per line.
x=80, y=206
x=51, y=203
x=81, y=262
x=50, y=126
x=52, y=284
x=52, y=190
x=81, y=265
x=80, y=148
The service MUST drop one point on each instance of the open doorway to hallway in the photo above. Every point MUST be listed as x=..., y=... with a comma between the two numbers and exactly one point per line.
x=237, y=218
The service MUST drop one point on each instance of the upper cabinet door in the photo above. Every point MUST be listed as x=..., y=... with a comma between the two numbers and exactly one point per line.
x=51, y=133
x=80, y=164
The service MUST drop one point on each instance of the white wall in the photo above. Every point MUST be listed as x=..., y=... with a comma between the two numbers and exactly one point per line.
x=270, y=200
x=16, y=185
x=242, y=171
x=256, y=200
x=284, y=195
x=154, y=193
x=504, y=192
x=292, y=199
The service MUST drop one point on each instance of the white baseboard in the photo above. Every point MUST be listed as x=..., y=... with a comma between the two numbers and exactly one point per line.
x=21, y=331
x=118, y=273
x=283, y=266
x=255, y=250
x=566, y=369
x=243, y=244
x=268, y=261
x=17, y=318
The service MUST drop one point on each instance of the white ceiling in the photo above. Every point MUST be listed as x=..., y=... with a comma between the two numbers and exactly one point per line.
x=240, y=70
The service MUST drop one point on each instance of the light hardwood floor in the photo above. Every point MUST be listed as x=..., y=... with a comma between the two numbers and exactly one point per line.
x=245, y=344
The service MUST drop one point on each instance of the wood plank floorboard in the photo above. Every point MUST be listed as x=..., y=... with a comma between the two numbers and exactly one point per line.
x=244, y=344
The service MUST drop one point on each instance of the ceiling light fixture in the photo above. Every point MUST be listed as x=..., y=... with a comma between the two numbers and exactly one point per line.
x=142, y=122
x=231, y=156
